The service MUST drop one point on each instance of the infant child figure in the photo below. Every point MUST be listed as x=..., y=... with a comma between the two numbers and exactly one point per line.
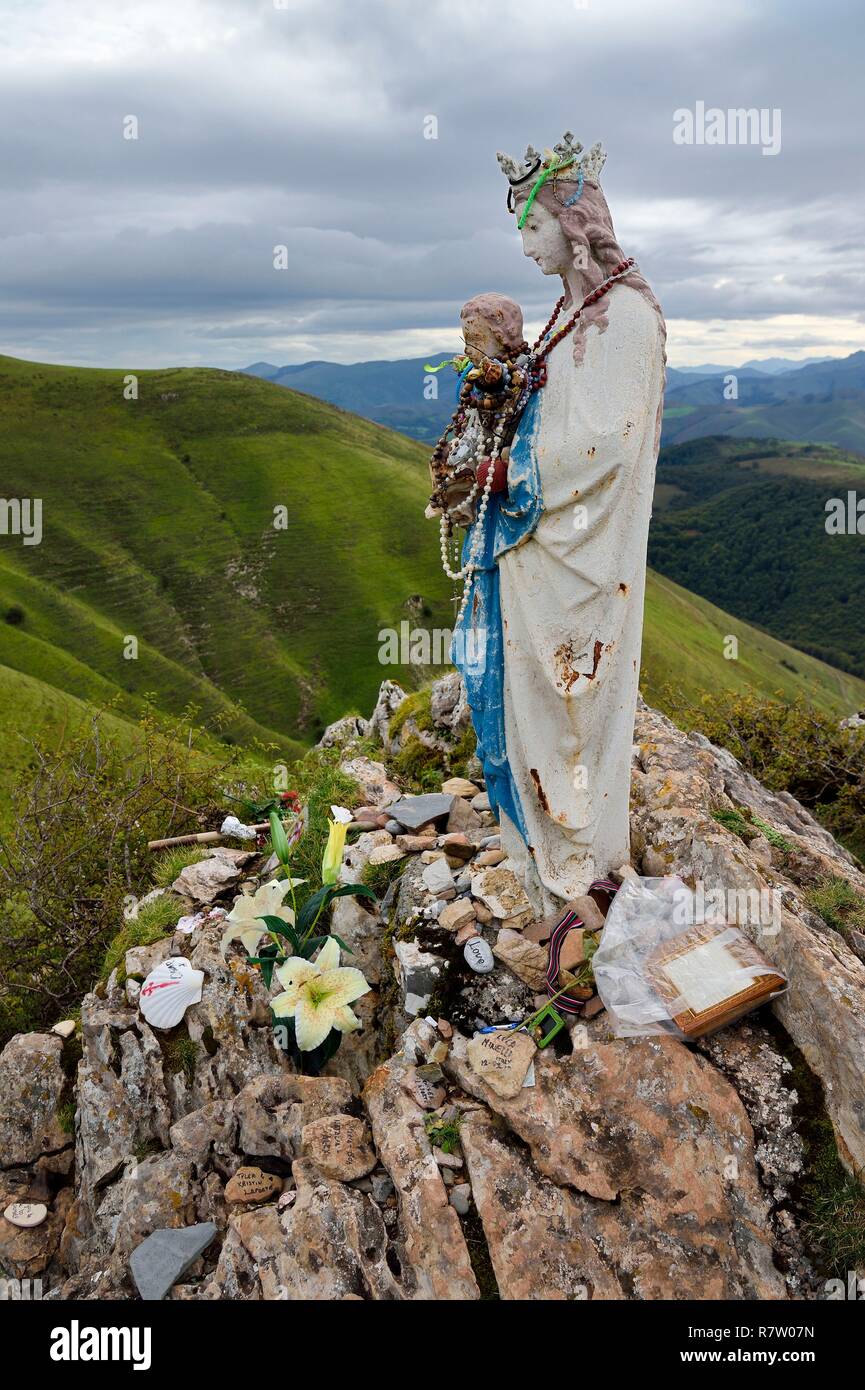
x=493, y=391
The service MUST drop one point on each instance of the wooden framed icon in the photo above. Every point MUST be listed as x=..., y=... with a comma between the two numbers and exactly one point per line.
x=709, y=976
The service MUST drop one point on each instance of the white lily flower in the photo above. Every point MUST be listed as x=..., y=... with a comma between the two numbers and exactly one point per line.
x=266, y=901
x=318, y=994
x=341, y=815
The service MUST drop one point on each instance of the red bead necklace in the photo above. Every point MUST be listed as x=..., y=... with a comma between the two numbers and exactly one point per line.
x=542, y=349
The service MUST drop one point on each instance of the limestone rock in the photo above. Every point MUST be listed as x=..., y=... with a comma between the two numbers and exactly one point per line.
x=362, y=931
x=501, y=891
x=419, y=974
x=27, y=1251
x=501, y=1060
x=644, y=1133
x=424, y=1085
x=436, y=1261
x=212, y=877
x=533, y=1228
x=527, y=959
x=252, y=1185
x=344, y=731
x=446, y=698
x=460, y=786
x=457, y=915
x=386, y=854
x=375, y=785
x=390, y=696
x=416, y=844
x=272, y=1110
x=676, y=785
x=457, y=846
x=588, y=912
x=330, y=1244
x=462, y=819
x=31, y=1088
x=140, y=960
x=339, y=1147
x=488, y=858
x=438, y=877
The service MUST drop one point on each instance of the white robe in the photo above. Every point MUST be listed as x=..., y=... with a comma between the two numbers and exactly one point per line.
x=572, y=601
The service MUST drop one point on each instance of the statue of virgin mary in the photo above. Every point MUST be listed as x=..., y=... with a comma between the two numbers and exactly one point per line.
x=557, y=593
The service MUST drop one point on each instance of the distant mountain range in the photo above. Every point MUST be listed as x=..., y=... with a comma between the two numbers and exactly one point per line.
x=821, y=401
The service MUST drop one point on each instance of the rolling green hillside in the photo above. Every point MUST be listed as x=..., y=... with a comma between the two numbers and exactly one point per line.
x=158, y=525
x=743, y=523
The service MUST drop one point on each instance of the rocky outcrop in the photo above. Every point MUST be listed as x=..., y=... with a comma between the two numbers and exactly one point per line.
x=678, y=781
x=31, y=1087
x=431, y=1244
x=36, y=1153
x=611, y=1168
x=662, y=1143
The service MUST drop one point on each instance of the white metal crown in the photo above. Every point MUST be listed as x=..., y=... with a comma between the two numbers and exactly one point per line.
x=589, y=164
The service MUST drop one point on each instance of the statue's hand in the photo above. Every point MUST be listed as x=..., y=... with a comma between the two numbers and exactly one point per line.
x=500, y=474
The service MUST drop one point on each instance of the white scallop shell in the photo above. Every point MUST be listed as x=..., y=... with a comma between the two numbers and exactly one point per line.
x=169, y=990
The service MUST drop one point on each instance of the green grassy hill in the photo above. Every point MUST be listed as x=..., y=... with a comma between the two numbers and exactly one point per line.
x=158, y=524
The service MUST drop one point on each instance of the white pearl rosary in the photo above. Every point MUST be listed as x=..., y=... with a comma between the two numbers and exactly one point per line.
x=467, y=571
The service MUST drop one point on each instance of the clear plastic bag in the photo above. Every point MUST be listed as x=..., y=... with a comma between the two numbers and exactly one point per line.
x=659, y=969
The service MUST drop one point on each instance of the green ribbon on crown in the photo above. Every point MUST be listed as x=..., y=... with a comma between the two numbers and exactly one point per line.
x=552, y=168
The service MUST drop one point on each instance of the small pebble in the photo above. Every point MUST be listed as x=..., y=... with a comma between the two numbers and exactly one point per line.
x=460, y=1197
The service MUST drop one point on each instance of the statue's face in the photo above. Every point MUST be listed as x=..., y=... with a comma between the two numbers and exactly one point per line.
x=545, y=242
x=480, y=339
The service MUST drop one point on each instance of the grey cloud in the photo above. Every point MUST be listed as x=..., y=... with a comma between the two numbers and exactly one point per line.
x=306, y=128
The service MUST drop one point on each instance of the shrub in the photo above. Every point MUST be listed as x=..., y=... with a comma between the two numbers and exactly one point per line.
x=838, y=903
x=78, y=848
x=789, y=747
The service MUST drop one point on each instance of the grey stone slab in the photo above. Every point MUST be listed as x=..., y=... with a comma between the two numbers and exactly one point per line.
x=414, y=811
x=161, y=1258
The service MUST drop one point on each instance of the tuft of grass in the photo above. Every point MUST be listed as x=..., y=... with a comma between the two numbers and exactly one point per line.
x=66, y=1117
x=838, y=903
x=379, y=877
x=462, y=753
x=422, y=768
x=172, y=862
x=180, y=1055
x=834, y=1209
x=416, y=706
x=742, y=822
x=155, y=920
x=443, y=1134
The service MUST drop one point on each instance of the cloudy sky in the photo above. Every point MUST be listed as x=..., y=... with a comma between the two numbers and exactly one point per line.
x=302, y=123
